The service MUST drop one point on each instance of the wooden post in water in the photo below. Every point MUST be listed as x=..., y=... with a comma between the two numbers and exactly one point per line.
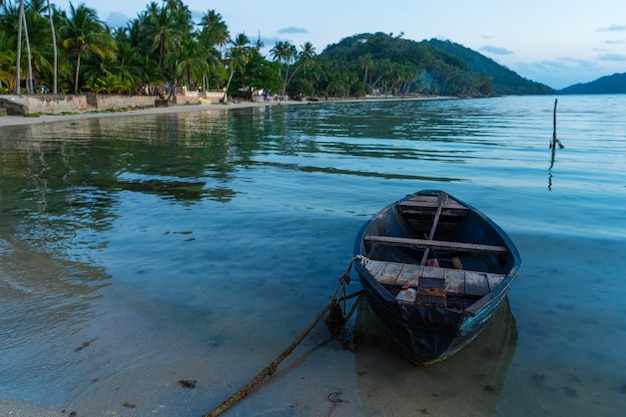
x=554, y=139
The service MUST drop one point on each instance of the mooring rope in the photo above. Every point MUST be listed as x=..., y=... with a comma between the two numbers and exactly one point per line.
x=269, y=370
x=344, y=279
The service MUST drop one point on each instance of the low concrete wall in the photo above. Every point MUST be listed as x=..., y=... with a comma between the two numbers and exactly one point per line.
x=60, y=103
x=12, y=106
x=206, y=97
x=124, y=102
x=186, y=100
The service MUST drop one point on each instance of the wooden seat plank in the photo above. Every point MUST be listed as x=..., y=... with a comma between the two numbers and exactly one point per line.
x=476, y=283
x=416, y=212
x=389, y=273
x=434, y=244
x=427, y=205
x=494, y=280
x=375, y=266
x=432, y=203
x=410, y=275
x=433, y=272
x=457, y=281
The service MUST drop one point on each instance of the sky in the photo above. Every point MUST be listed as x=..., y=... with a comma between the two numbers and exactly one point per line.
x=554, y=42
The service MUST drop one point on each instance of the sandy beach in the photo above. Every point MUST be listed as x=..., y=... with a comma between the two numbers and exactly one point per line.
x=49, y=118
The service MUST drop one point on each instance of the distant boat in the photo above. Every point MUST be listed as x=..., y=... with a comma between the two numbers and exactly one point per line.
x=458, y=266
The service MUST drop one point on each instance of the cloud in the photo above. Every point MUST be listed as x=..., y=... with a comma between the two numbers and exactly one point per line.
x=196, y=15
x=117, y=19
x=614, y=42
x=292, y=30
x=565, y=71
x=569, y=62
x=613, y=57
x=612, y=28
x=496, y=50
x=270, y=41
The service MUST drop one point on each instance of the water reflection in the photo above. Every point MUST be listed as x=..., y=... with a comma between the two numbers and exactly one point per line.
x=188, y=157
x=468, y=383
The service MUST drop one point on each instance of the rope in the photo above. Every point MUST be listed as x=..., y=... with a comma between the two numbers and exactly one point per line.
x=344, y=279
x=269, y=370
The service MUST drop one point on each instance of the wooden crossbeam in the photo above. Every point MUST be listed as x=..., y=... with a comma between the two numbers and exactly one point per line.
x=434, y=244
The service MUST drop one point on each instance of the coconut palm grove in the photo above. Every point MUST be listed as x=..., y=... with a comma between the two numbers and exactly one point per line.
x=164, y=50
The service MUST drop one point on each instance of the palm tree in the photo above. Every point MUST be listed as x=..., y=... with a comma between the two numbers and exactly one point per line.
x=29, y=79
x=367, y=63
x=306, y=56
x=19, y=49
x=214, y=30
x=128, y=64
x=284, y=52
x=84, y=34
x=41, y=53
x=164, y=29
x=238, y=58
x=213, y=35
x=7, y=60
x=192, y=61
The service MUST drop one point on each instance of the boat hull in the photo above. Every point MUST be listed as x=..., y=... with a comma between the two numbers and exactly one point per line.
x=427, y=332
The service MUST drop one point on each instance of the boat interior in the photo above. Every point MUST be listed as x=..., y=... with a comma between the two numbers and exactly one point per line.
x=463, y=263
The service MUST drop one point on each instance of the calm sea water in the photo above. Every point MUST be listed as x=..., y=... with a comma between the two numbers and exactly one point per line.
x=136, y=252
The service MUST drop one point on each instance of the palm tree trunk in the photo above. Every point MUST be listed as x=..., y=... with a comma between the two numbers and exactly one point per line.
x=54, y=49
x=29, y=83
x=230, y=77
x=286, y=81
x=19, y=49
x=161, y=48
x=77, y=72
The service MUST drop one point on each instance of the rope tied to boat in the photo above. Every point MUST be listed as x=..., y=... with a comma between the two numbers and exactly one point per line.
x=269, y=370
x=344, y=279
x=337, y=314
x=335, y=321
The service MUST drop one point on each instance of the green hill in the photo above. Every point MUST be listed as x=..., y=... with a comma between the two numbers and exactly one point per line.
x=610, y=84
x=505, y=81
x=393, y=65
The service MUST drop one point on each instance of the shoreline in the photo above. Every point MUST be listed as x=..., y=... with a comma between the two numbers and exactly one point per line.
x=184, y=108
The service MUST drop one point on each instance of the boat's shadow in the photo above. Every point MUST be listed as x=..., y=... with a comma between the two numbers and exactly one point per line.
x=468, y=383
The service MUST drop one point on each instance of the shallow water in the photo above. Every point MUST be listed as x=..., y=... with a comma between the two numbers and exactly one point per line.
x=136, y=252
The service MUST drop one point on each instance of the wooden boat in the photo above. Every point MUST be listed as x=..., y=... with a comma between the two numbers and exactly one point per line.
x=460, y=263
